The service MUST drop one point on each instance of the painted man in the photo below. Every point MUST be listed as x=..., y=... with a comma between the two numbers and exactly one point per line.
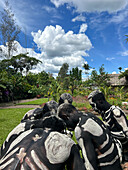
x=44, y=148
x=38, y=113
x=98, y=147
x=114, y=117
x=32, y=119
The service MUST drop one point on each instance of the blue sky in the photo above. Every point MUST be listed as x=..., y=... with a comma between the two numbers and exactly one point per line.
x=73, y=31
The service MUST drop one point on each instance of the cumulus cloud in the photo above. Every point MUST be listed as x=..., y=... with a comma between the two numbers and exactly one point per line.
x=93, y=5
x=59, y=47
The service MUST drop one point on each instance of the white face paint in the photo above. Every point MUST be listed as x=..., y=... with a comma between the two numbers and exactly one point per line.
x=58, y=147
x=92, y=127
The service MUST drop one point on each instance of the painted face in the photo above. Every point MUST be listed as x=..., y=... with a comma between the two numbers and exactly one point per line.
x=97, y=101
x=69, y=114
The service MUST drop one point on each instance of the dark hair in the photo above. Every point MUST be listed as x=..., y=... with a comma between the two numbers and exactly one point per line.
x=54, y=122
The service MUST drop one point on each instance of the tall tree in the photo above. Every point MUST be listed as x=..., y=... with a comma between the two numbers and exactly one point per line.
x=19, y=63
x=9, y=30
x=101, y=79
x=22, y=62
x=75, y=78
x=63, y=71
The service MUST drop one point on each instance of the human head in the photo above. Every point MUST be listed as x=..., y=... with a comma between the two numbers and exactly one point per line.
x=69, y=114
x=50, y=107
x=54, y=123
x=65, y=98
x=97, y=100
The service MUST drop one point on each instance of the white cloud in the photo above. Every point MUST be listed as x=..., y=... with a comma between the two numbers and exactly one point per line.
x=83, y=28
x=114, y=72
x=125, y=53
x=48, y=9
x=57, y=47
x=93, y=5
x=109, y=59
x=19, y=50
x=79, y=18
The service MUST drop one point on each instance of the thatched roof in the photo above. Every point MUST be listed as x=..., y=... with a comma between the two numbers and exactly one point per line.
x=115, y=81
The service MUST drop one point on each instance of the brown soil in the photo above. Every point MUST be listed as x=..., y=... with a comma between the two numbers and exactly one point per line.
x=13, y=104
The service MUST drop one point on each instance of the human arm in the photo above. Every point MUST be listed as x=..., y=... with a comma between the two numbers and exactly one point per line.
x=84, y=140
x=121, y=120
x=75, y=162
x=88, y=152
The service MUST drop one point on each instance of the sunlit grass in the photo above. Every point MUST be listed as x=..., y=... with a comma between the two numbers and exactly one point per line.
x=10, y=118
x=38, y=102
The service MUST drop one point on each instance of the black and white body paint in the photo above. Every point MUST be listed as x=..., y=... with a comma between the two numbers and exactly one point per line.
x=38, y=113
x=33, y=114
x=45, y=149
x=65, y=98
x=17, y=131
x=113, y=116
x=98, y=147
x=94, y=138
x=32, y=119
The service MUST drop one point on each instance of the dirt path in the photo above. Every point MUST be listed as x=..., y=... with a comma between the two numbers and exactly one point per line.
x=20, y=106
x=13, y=104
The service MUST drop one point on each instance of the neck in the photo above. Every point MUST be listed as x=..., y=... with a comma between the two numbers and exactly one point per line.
x=106, y=107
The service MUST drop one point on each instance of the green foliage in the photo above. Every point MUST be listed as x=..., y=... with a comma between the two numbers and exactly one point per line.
x=126, y=38
x=75, y=78
x=78, y=105
x=124, y=74
x=101, y=79
x=43, y=78
x=63, y=72
x=23, y=62
x=31, y=78
x=106, y=91
x=8, y=29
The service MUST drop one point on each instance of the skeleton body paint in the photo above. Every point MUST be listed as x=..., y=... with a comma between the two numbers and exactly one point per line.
x=42, y=148
x=91, y=132
x=114, y=117
x=98, y=147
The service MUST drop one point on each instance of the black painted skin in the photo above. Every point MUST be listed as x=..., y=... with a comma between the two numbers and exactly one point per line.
x=35, y=142
x=114, y=117
x=93, y=141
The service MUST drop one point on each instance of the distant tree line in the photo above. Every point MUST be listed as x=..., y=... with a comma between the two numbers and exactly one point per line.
x=17, y=82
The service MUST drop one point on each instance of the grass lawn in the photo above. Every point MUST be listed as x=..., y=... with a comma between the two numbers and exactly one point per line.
x=37, y=101
x=10, y=118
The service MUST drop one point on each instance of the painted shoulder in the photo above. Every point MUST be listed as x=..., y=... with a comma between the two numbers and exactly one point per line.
x=58, y=147
x=116, y=110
